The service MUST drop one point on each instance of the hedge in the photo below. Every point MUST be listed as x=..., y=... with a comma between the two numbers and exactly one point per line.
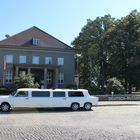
x=4, y=91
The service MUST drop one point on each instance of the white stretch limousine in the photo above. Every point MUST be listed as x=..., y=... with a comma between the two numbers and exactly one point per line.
x=46, y=98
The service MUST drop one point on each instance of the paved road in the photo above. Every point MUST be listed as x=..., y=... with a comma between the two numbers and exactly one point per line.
x=108, y=121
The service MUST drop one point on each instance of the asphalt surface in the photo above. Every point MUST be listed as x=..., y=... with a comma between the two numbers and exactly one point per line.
x=107, y=121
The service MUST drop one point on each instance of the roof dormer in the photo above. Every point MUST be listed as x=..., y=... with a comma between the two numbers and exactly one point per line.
x=36, y=41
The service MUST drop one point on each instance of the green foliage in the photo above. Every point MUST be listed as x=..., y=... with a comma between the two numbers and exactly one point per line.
x=91, y=44
x=110, y=48
x=25, y=81
x=125, y=48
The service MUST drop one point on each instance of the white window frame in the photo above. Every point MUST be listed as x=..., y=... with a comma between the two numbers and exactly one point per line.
x=35, y=60
x=61, y=78
x=8, y=76
x=9, y=59
x=22, y=59
x=48, y=60
x=60, y=61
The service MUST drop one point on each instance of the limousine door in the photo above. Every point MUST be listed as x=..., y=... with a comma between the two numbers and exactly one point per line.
x=21, y=99
x=41, y=99
x=59, y=99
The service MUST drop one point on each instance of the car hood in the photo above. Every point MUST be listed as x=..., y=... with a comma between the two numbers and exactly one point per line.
x=1, y=97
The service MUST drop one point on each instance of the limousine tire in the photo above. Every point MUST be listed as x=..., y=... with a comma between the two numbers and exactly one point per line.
x=87, y=106
x=75, y=106
x=5, y=107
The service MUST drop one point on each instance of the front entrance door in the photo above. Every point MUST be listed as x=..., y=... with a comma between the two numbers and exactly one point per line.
x=38, y=75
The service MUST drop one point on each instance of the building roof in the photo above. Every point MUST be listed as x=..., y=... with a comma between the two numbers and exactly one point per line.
x=25, y=38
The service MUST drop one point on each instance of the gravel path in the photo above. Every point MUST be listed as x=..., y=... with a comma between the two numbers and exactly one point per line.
x=104, y=122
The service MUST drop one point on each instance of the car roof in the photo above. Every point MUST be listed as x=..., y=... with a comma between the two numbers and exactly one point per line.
x=36, y=89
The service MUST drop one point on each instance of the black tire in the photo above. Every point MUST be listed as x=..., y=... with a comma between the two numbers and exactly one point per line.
x=75, y=106
x=87, y=106
x=5, y=107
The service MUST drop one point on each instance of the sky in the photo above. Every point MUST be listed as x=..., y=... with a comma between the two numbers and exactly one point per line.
x=62, y=19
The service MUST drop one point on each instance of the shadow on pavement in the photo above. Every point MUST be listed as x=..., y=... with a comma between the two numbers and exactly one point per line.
x=43, y=110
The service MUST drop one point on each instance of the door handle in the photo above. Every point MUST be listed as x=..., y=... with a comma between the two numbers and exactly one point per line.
x=26, y=98
x=64, y=98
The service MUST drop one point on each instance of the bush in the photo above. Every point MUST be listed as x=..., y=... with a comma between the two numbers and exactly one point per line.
x=95, y=90
x=4, y=91
x=114, y=85
x=25, y=81
x=71, y=86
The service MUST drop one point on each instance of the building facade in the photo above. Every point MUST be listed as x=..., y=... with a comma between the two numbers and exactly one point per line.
x=35, y=52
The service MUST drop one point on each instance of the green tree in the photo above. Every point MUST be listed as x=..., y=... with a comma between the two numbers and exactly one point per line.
x=92, y=45
x=125, y=46
x=25, y=81
x=110, y=48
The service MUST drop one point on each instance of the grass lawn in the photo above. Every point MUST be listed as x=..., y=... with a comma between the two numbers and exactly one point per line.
x=138, y=92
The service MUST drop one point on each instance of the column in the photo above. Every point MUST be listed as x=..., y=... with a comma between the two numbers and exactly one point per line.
x=45, y=77
x=17, y=71
x=3, y=79
x=29, y=70
x=56, y=78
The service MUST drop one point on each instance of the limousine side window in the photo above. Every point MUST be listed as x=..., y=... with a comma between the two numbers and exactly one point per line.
x=75, y=94
x=40, y=94
x=58, y=94
x=22, y=94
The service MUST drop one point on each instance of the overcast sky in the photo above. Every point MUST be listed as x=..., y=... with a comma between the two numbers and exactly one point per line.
x=62, y=19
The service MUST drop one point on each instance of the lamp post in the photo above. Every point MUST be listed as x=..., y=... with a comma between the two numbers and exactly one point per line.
x=4, y=69
x=77, y=56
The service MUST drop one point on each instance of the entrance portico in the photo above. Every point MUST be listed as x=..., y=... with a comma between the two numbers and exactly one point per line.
x=45, y=75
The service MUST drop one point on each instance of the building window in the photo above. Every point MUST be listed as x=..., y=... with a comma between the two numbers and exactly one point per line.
x=61, y=78
x=48, y=60
x=36, y=41
x=9, y=76
x=35, y=60
x=9, y=59
x=22, y=59
x=60, y=61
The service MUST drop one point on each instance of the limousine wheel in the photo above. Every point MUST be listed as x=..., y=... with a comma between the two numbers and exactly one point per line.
x=75, y=106
x=5, y=107
x=87, y=106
